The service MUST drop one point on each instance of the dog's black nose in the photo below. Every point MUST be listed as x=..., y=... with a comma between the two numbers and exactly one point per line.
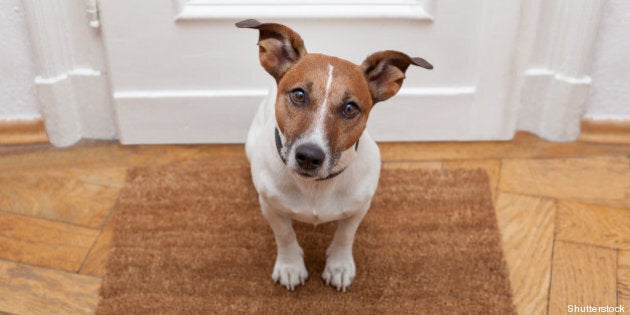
x=309, y=156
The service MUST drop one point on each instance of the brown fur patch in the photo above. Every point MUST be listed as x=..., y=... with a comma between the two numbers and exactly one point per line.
x=280, y=46
x=311, y=75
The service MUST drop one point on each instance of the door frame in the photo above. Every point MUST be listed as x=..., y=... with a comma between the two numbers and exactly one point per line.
x=71, y=72
x=545, y=94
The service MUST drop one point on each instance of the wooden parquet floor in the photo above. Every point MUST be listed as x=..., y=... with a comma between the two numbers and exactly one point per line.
x=563, y=210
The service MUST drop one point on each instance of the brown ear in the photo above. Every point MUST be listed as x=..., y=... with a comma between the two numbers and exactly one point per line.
x=279, y=46
x=385, y=72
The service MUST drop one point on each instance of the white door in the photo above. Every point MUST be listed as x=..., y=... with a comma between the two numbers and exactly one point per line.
x=181, y=72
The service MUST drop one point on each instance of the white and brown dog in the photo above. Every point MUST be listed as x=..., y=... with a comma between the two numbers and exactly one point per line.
x=311, y=158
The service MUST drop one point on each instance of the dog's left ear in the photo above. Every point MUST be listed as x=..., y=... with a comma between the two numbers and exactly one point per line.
x=385, y=72
x=279, y=46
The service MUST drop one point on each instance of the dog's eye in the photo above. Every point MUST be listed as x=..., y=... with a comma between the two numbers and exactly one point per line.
x=350, y=110
x=298, y=97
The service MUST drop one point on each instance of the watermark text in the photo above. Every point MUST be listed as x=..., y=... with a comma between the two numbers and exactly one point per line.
x=572, y=308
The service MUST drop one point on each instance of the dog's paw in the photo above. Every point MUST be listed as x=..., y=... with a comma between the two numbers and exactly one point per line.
x=339, y=272
x=289, y=274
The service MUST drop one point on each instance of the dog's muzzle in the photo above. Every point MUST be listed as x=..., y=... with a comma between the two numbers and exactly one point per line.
x=308, y=156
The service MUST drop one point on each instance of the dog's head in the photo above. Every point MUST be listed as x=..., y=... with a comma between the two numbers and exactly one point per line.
x=323, y=102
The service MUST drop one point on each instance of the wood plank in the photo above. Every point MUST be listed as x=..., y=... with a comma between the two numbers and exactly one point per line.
x=32, y=290
x=623, y=279
x=108, y=153
x=605, y=131
x=96, y=260
x=596, y=225
x=582, y=275
x=86, y=153
x=601, y=180
x=491, y=167
x=523, y=146
x=412, y=165
x=22, y=132
x=46, y=157
x=44, y=243
x=527, y=227
x=82, y=196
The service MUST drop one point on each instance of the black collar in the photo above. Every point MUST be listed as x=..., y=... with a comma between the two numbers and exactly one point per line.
x=279, y=147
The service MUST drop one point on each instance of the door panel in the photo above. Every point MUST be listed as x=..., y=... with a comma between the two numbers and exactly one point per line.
x=181, y=72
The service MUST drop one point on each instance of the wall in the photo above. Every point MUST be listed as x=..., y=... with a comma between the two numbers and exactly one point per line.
x=610, y=93
x=17, y=93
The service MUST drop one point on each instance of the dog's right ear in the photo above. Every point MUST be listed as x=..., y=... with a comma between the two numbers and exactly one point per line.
x=279, y=46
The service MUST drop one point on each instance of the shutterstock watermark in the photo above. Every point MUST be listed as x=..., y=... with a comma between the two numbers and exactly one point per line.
x=572, y=308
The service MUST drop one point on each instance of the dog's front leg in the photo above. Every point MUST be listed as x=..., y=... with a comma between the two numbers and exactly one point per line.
x=289, y=269
x=340, y=269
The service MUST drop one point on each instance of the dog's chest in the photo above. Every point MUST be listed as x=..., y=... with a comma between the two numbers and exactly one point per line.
x=316, y=205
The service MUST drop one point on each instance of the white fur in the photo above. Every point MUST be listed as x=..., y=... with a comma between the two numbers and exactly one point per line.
x=285, y=196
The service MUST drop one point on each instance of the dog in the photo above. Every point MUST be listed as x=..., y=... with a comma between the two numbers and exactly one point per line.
x=311, y=156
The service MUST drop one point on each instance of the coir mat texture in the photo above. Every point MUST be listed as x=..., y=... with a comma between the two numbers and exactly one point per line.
x=190, y=239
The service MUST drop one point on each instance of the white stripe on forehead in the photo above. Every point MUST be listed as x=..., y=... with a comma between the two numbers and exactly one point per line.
x=328, y=82
x=323, y=108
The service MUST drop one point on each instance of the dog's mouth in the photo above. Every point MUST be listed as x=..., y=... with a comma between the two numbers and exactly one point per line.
x=307, y=174
x=304, y=174
x=316, y=175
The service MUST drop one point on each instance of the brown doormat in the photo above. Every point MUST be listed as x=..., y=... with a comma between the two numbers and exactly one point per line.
x=191, y=239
